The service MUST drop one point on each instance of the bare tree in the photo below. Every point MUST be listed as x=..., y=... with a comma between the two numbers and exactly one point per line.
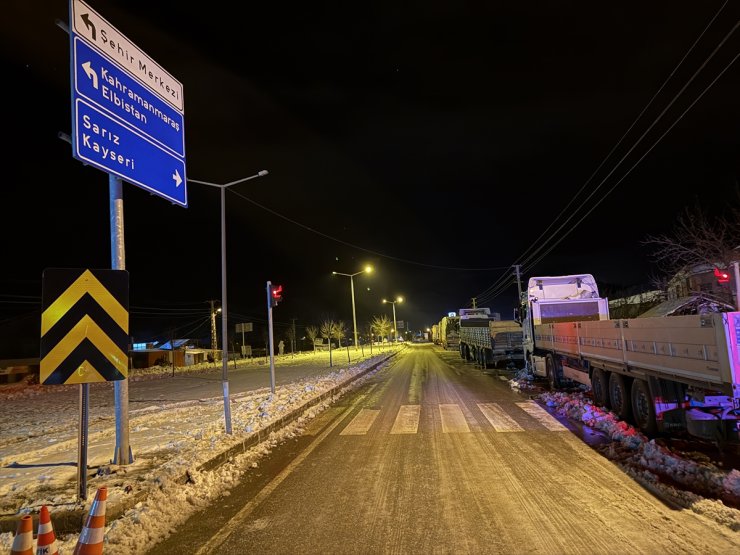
x=328, y=329
x=381, y=325
x=340, y=331
x=290, y=336
x=697, y=240
x=312, y=332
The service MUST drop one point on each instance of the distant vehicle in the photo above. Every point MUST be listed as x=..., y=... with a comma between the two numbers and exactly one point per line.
x=489, y=341
x=664, y=374
x=449, y=333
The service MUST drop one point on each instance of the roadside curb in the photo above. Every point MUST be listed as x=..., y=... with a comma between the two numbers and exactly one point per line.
x=69, y=521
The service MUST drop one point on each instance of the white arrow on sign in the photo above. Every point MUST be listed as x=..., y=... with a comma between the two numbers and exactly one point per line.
x=177, y=178
x=90, y=73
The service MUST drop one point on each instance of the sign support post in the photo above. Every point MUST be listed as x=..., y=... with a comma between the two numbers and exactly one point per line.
x=122, y=454
x=269, y=332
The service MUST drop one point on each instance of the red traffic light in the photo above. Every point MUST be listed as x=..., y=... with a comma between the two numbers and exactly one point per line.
x=276, y=294
x=722, y=277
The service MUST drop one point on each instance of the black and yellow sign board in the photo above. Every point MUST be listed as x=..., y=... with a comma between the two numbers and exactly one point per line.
x=84, y=326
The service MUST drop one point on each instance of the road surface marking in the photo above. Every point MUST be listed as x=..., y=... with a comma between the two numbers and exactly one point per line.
x=500, y=421
x=361, y=423
x=542, y=416
x=236, y=523
x=453, y=420
x=407, y=420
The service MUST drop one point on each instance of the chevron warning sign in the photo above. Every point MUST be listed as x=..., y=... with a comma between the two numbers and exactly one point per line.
x=84, y=326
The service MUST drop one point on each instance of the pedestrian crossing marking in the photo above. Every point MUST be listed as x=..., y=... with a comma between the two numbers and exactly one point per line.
x=500, y=421
x=542, y=416
x=453, y=419
x=407, y=420
x=361, y=423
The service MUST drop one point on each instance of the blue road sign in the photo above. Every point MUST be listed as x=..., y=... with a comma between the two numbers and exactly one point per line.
x=102, y=141
x=106, y=85
x=127, y=112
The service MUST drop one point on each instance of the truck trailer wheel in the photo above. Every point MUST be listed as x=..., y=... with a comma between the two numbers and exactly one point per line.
x=619, y=396
x=600, y=388
x=643, y=407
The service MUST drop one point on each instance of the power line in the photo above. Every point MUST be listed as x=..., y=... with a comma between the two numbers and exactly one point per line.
x=501, y=283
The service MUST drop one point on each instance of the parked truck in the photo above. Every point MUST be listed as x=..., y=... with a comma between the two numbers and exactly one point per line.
x=449, y=332
x=662, y=374
x=489, y=341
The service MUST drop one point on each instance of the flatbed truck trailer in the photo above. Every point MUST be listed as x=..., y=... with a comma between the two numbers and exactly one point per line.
x=663, y=374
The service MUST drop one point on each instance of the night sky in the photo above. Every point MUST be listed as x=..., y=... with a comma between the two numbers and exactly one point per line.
x=441, y=142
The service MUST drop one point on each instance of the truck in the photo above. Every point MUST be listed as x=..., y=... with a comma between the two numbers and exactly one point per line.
x=449, y=334
x=662, y=374
x=435, y=334
x=489, y=341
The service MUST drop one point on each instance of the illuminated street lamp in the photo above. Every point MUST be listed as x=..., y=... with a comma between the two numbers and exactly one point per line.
x=224, y=328
x=214, y=341
x=395, y=331
x=367, y=270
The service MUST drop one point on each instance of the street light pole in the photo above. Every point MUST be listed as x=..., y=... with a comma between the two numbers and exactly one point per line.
x=224, y=311
x=395, y=330
x=367, y=269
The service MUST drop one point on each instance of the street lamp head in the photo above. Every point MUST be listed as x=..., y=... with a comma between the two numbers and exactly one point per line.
x=334, y=273
x=384, y=301
x=368, y=269
x=262, y=173
x=399, y=300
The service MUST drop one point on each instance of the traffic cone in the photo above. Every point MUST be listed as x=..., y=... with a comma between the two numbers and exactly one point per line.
x=23, y=541
x=46, y=541
x=90, y=541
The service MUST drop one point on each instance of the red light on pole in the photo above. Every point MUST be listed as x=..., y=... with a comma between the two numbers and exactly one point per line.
x=276, y=294
x=722, y=277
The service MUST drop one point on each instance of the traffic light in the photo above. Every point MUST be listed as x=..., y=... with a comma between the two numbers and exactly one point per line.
x=276, y=294
x=722, y=276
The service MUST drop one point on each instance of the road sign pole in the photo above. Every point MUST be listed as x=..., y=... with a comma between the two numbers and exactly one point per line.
x=269, y=333
x=122, y=454
x=224, y=321
x=82, y=442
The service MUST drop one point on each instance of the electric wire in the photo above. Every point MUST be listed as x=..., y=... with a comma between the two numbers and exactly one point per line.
x=502, y=284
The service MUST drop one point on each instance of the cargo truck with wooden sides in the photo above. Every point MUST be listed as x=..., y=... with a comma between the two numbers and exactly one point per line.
x=662, y=374
x=489, y=341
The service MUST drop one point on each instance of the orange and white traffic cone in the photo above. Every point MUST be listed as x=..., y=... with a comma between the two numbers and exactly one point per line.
x=90, y=541
x=23, y=540
x=46, y=541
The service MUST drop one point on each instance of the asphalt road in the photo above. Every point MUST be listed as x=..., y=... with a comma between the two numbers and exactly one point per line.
x=433, y=456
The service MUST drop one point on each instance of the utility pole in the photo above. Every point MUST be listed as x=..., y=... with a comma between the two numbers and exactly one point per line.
x=517, y=269
x=295, y=339
x=473, y=301
x=214, y=340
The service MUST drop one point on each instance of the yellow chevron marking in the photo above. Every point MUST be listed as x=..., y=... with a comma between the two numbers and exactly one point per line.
x=86, y=283
x=85, y=328
x=86, y=373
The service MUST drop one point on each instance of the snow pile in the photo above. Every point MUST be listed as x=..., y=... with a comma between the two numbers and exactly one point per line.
x=631, y=448
x=188, y=435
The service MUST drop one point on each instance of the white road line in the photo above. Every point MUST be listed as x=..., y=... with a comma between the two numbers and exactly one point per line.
x=236, y=523
x=542, y=416
x=498, y=418
x=453, y=420
x=361, y=423
x=407, y=420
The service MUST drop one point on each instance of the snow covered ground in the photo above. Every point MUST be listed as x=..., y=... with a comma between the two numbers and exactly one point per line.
x=174, y=438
